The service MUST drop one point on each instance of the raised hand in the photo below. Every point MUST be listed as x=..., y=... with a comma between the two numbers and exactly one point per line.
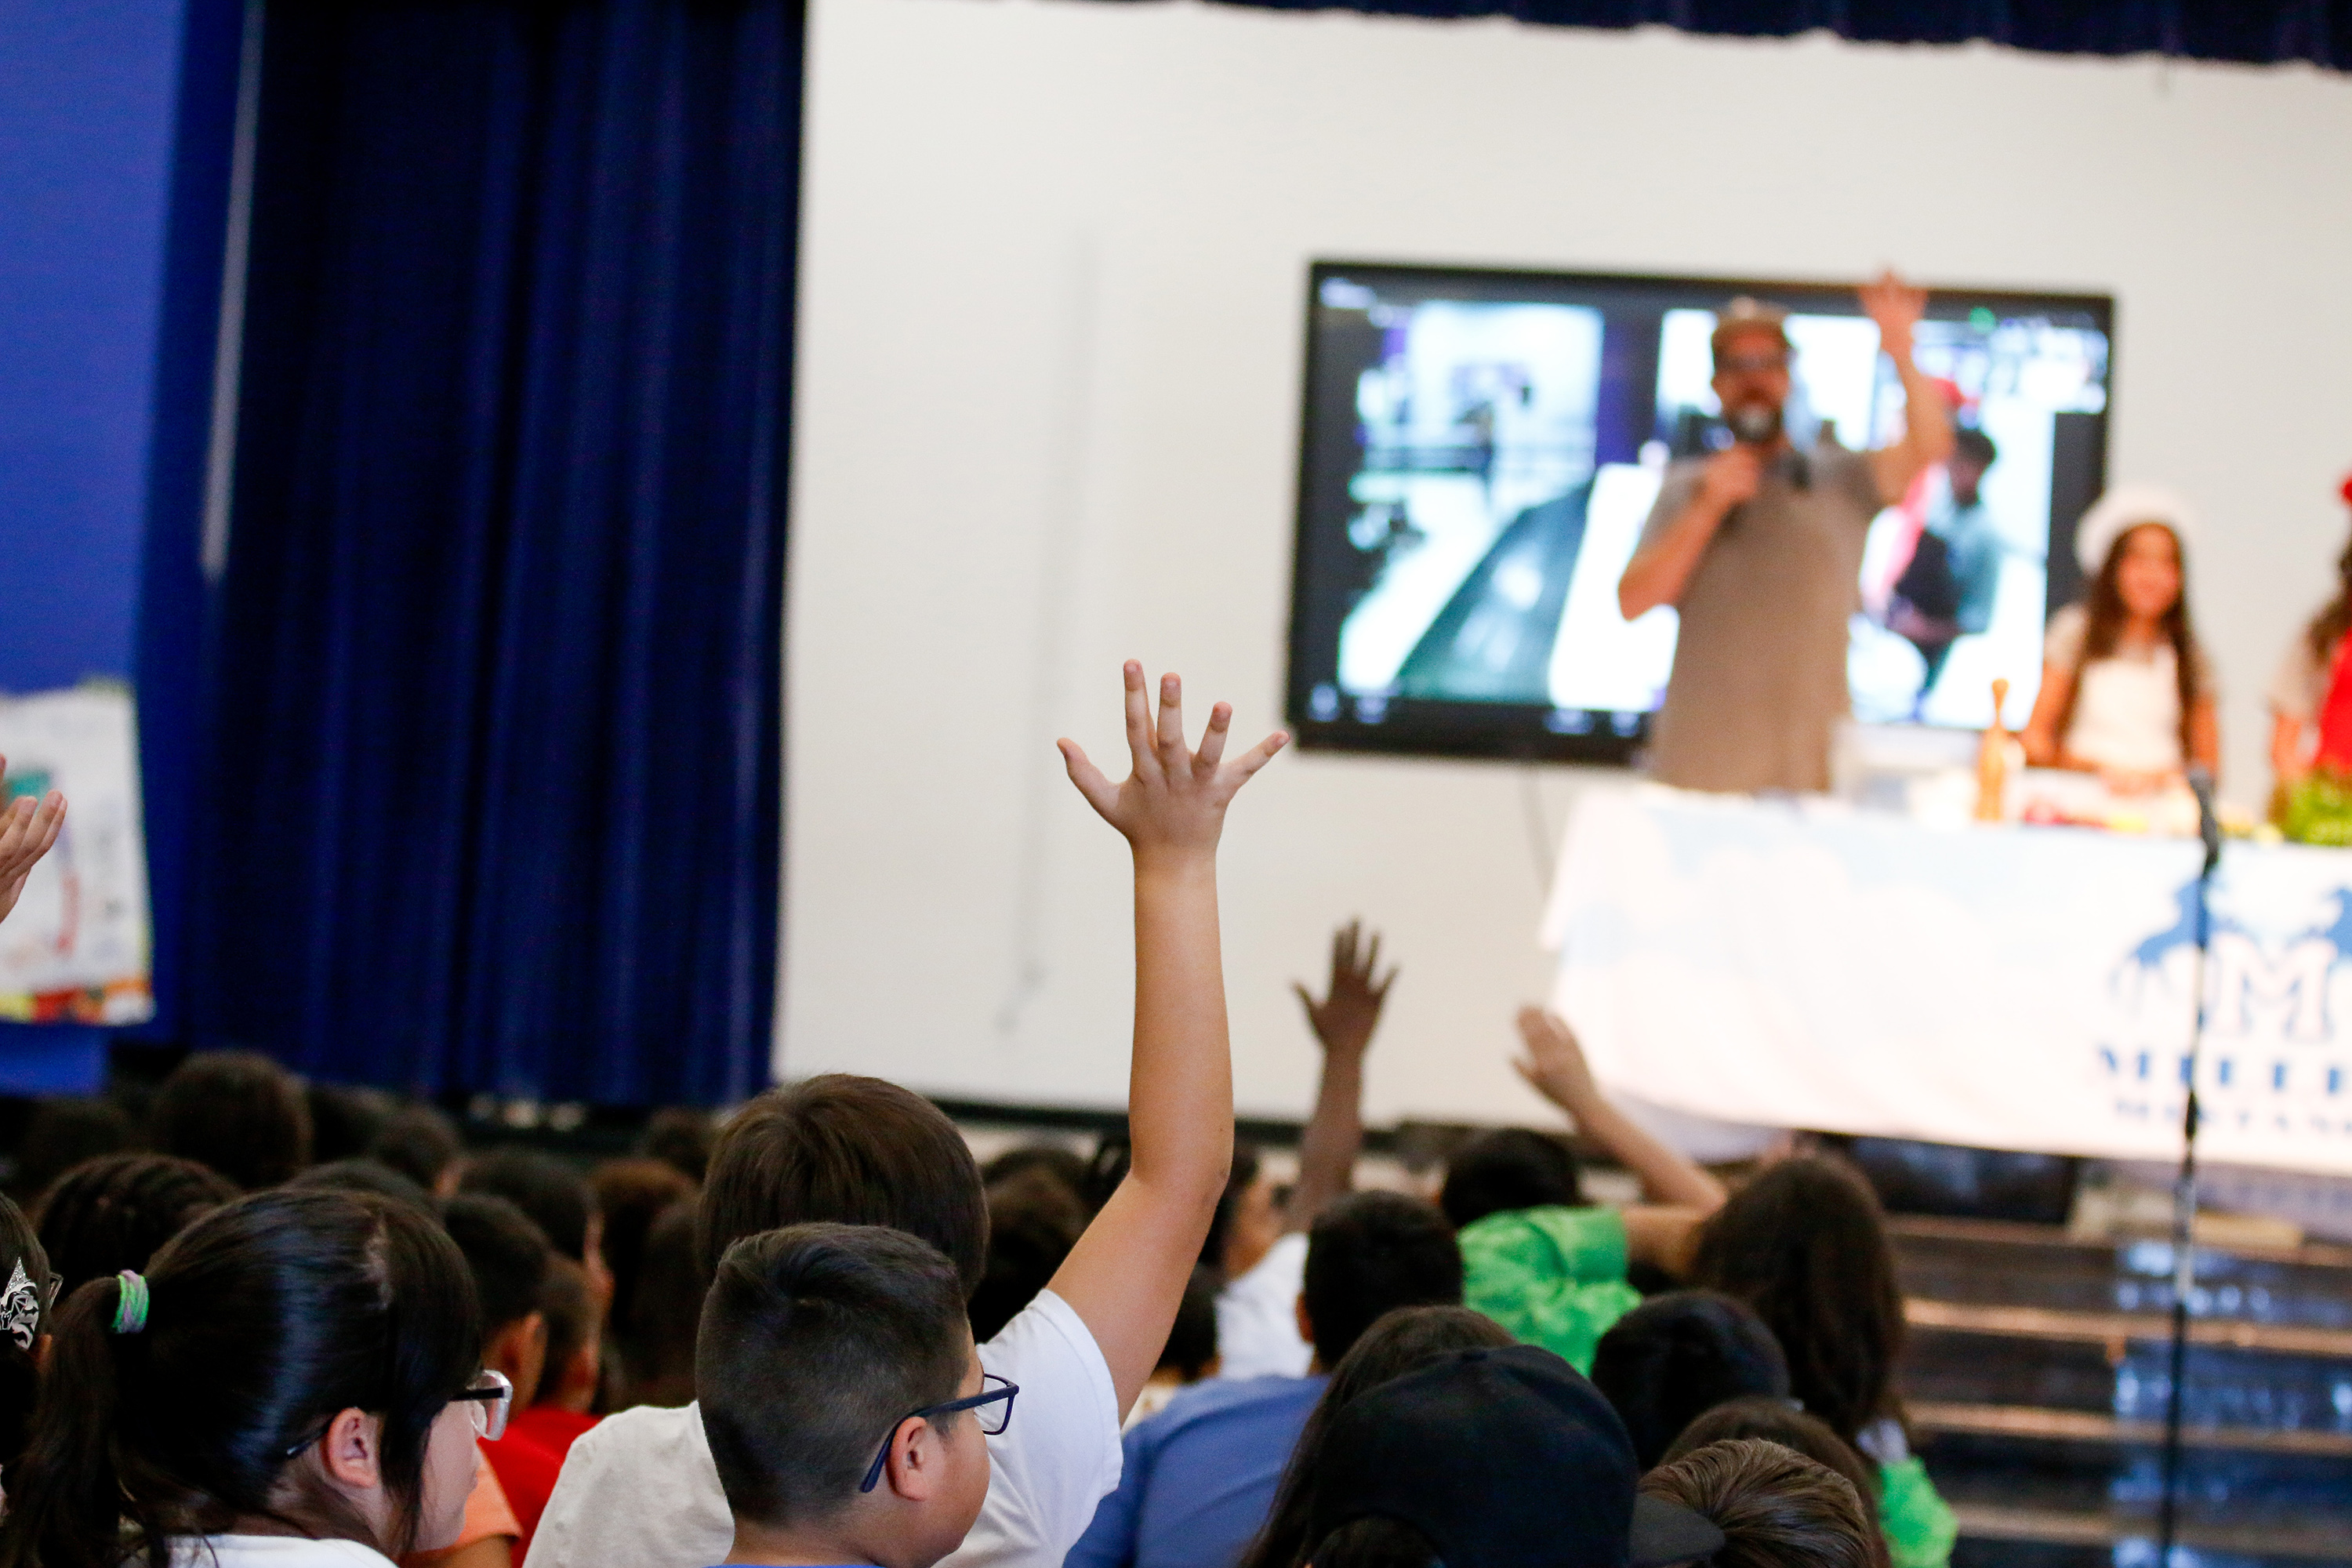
x=1554, y=1065
x=1351, y=1009
x=1173, y=805
x=27, y=828
x=1896, y=307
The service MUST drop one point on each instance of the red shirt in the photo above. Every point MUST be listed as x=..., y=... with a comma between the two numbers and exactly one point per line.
x=529, y=1458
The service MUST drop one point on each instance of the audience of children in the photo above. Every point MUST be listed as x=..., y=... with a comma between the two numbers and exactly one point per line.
x=641, y=1490
x=1199, y=1478
x=814, y=1330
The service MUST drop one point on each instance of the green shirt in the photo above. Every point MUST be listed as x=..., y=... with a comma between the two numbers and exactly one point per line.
x=1551, y=1277
x=1918, y=1524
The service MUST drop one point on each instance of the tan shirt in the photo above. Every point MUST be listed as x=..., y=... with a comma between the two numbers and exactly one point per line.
x=1758, y=682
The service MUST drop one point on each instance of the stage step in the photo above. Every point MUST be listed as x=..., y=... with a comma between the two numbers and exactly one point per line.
x=2037, y=1373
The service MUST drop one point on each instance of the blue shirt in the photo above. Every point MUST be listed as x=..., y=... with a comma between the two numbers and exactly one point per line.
x=1200, y=1477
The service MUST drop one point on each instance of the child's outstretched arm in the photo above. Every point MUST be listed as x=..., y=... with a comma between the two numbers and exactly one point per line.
x=1126, y=1273
x=1681, y=1190
x=1343, y=1022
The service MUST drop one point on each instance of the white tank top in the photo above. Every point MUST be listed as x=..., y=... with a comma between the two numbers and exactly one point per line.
x=2127, y=713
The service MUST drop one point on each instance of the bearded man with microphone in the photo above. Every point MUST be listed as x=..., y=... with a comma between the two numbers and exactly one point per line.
x=1758, y=548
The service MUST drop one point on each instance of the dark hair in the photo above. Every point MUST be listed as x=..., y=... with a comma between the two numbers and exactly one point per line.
x=505, y=1252
x=1775, y=1508
x=2104, y=629
x=1973, y=444
x=238, y=1112
x=1779, y=1421
x=1804, y=1244
x=364, y=1175
x=680, y=1137
x=817, y=1341
x=1369, y=1254
x=1192, y=1338
x=571, y=1314
x=657, y=1350
x=1056, y=1162
x=554, y=1192
x=111, y=1214
x=1505, y=1169
x=2329, y=626
x=852, y=1149
x=1677, y=1356
x=1033, y=1223
x=344, y=1119
x=1400, y=1342
x=19, y=1371
x=420, y=1142
x=1375, y=1541
x=631, y=1193
x=64, y=1133
x=266, y=1318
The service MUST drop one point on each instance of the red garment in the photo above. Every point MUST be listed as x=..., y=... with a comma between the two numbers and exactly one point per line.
x=529, y=1458
x=2335, y=715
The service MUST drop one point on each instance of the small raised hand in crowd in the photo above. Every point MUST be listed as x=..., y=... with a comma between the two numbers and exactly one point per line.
x=1343, y=1022
x=28, y=827
x=1681, y=1193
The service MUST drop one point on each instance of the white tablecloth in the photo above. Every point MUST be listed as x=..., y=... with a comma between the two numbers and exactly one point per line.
x=1797, y=964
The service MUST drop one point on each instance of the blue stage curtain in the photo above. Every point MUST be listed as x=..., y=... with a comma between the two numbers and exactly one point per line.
x=2251, y=31
x=491, y=787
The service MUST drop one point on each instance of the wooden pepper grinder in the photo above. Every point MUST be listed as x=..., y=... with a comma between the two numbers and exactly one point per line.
x=1992, y=761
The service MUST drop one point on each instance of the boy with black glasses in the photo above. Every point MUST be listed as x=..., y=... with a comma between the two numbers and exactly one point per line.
x=844, y=1399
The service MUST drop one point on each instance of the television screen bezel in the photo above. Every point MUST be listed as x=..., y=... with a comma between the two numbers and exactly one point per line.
x=1481, y=731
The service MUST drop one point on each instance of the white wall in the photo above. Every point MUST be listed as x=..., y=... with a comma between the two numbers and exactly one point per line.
x=1052, y=303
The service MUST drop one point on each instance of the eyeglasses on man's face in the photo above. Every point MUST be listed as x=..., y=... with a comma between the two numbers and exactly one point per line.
x=991, y=1407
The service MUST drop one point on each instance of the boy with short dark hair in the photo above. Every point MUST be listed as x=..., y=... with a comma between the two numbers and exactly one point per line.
x=843, y=1398
x=642, y=1491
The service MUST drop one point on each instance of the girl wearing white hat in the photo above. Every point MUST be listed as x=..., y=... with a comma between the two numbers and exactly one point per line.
x=2126, y=692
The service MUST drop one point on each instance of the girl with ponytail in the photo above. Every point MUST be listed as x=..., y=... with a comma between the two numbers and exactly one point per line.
x=294, y=1383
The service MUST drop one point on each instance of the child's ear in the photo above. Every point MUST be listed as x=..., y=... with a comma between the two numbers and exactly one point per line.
x=352, y=1450
x=918, y=1460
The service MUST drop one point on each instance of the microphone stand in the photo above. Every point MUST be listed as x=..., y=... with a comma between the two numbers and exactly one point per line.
x=2184, y=1190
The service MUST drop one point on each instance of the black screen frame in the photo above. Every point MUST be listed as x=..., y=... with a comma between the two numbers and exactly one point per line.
x=1497, y=731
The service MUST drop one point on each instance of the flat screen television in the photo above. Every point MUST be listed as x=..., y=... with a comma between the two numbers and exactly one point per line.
x=1480, y=449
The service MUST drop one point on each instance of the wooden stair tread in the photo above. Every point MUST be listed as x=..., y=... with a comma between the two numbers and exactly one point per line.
x=2112, y=1328
x=2091, y=1426
x=1993, y=1521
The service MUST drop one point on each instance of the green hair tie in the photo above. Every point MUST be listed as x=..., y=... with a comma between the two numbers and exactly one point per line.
x=131, y=1305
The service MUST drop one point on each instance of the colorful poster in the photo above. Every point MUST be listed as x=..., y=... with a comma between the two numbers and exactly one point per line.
x=75, y=949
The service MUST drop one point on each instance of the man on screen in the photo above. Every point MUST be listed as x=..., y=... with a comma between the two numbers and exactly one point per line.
x=1758, y=547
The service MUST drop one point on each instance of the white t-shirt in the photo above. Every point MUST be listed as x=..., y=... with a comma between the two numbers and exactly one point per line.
x=1257, y=1316
x=272, y=1551
x=639, y=1489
